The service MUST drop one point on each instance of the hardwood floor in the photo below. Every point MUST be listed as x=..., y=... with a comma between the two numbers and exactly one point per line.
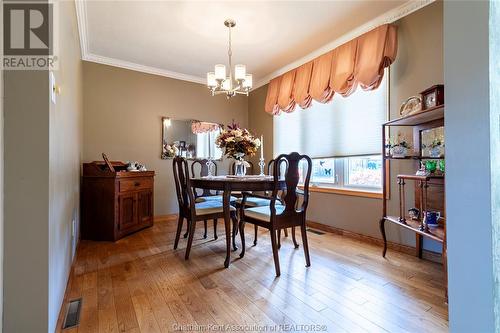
x=140, y=284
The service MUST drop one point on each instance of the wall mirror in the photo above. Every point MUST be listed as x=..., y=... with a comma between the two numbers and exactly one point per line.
x=432, y=142
x=190, y=138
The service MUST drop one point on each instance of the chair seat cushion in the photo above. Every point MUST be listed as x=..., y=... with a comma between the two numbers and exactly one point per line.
x=214, y=198
x=254, y=202
x=263, y=213
x=210, y=207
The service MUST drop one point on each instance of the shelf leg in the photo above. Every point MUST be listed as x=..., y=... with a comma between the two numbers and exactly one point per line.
x=402, y=200
x=382, y=231
x=418, y=245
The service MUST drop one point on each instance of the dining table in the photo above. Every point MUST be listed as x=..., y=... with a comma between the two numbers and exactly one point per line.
x=228, y=184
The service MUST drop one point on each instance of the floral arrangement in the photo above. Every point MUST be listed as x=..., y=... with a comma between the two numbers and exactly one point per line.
x=436, y=142
x=398, y=146
x=237, y=142
x=399, y=141
x=169, y=151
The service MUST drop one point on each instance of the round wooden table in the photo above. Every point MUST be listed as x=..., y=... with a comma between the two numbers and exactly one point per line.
x=228, y=184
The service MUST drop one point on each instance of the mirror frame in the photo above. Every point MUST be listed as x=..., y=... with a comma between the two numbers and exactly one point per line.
x=163, y=133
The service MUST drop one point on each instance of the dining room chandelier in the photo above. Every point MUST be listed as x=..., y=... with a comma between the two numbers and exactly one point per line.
x=219, y=83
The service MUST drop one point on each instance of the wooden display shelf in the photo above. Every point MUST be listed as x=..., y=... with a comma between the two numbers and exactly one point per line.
x=420, y=117
x=436, y=234
x=429, y=189
x=416, y=177
x=416, y=157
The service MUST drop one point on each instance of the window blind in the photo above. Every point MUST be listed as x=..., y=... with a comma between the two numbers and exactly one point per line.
x=205, y=143
x=345, y=126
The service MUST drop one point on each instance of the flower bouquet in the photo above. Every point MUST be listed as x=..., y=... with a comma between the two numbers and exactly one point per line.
x=237, y=143
x=169, y=151
x=398, y=147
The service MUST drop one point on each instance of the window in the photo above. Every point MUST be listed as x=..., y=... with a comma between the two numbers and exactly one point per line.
x=206, y=146
x=353, y=173
x=342, y=137
x=322, y=172
x=363, y=172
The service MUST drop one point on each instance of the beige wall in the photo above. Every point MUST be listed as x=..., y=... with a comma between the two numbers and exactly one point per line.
x=122, y=117
x=65, y=149
x=419, y=65
x=26, y=188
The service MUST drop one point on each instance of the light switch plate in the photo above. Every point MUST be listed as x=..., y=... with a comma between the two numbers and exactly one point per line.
x=52, y=87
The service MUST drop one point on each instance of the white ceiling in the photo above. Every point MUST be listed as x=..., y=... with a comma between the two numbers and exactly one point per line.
x=184, y=39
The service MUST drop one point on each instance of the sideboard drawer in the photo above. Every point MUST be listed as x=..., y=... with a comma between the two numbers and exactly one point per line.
x=135, y=184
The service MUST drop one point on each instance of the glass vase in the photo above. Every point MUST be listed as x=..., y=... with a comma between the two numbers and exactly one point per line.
x=435, y=152
x=240, y=168
x=399, y=152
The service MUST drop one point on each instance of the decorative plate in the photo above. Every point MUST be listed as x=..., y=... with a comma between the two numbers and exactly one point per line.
x=411, y=105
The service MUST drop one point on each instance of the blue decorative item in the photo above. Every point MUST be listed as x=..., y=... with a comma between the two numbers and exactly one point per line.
x=431, y=218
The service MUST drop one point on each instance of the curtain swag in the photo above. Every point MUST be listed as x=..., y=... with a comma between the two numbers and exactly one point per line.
x=198, y=127
x=359, y=62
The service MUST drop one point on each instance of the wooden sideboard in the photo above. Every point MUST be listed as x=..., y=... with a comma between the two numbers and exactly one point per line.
x=115, y=203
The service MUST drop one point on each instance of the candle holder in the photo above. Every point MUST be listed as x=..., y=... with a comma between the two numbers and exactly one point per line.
x=262, y=164
x=210, y=167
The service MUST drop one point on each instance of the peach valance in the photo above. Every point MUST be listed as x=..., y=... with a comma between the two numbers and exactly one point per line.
x=198, y=127
x=360, y=61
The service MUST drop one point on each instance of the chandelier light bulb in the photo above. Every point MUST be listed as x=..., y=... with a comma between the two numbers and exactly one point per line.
x=211, y=82
x=220, y=72
x=240, y=72
x=226, y=84
x=248, y=81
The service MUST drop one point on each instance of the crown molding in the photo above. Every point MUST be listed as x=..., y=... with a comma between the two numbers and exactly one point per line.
x=81, y=18
x=388, y=17
x=141, y=68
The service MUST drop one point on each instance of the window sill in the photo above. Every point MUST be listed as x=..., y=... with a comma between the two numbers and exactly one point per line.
x=343, y=191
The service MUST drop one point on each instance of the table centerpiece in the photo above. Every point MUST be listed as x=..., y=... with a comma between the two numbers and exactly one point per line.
x=238, y=143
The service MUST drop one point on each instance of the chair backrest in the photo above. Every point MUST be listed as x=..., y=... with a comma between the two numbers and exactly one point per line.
x=182, y=185
x=293, y=194
x=232, y=169
x=202, y=171
x=283, y=166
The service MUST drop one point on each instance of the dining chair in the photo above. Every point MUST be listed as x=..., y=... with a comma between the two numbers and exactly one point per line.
x=199, y=168
x=200, y=165
x=257, y=202
x=289, y=212
x=189, y=209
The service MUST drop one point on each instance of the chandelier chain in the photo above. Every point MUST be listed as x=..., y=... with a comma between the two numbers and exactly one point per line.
x=230, y=54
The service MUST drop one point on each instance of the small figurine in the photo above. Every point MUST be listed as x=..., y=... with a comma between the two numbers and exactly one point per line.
x=135, y=166
x=131, y=166
x=423, y=170
x=414, y=213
